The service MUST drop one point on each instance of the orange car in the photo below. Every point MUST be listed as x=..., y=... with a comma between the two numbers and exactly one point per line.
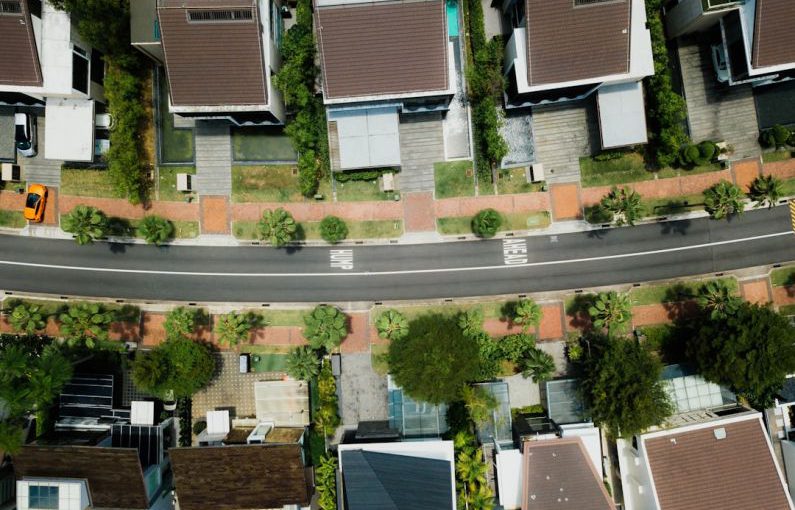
x=34, y=204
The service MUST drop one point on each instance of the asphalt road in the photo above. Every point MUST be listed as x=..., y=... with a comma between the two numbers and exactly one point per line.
x=375, y=273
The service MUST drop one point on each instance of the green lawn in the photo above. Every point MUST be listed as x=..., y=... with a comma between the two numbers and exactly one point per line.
x=125, y=227
x=310, y=230
x=454, y=179
x=673, y=205
x=786, y=310
x=176, y=144
x=788, y=187
x=261, y=362
x=782, y=276
x=265, y=183
x=87, y=183
x=772, y=157
x=167, y=183
x=261, y=143
x=457, y=225
x=630, y=168
x=515, y=181
x=491, y=309
x=378, y=359
x=12, y=219
x=353, y=191
x=679, y=291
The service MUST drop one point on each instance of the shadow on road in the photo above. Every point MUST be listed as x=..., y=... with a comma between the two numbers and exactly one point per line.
x=675, y=227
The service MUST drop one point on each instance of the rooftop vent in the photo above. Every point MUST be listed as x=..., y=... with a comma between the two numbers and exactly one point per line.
x=215, y=15
x=720, y=433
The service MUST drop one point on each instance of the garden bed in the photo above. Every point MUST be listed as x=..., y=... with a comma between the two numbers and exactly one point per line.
x=631, y=168
x=774, y=156
x=673, y=292
x=310, y=230
x=454, y=179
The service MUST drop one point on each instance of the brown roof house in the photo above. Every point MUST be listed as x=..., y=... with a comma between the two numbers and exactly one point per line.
x=756, y=36
x=46, y=66
x=565, y=50
x=384, y=63
x=715, y=462
x=219, y=55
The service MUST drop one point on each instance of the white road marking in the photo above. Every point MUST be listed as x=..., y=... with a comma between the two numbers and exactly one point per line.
x=397, y=272
x=514, y=251
x=341, y=259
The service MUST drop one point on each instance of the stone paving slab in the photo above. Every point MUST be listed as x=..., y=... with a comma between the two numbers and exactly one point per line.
x=228, y=389
x=565, y=201
x=364, y=392
x=418, y=212
x=756, y=291
x=745, y=172
x=214, y=215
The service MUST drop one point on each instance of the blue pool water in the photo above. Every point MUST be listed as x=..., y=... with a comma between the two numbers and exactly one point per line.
x=452, y=18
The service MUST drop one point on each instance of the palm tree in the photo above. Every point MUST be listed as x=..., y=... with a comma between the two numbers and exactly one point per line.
x=86, y=223
x=277, y=226
x=471, y=469
x=625, y=205
x=486, y=223
x=527, y=313
x=481, y=499
x=27, y=318
x=766, y=189
x=11, y=437
x=233, y=328
x=303, y=363
x=479, y=403
x=718, y=299
x=86, y=322
x=156, y=230
x=326, y=327
x=609, y=310
x=13, y=363
x=392, y=325
x=180, y=322
x=538, y=365
x=723, y=200
x=471, y=321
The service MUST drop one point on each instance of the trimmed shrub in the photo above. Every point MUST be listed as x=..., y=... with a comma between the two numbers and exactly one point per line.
x=486, y=223
x=775, y=137
x=333, y=229
x=156, y=230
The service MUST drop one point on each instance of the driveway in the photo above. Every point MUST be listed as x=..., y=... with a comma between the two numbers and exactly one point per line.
x=364, y=394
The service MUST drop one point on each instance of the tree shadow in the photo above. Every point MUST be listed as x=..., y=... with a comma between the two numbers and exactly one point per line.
x=675, y=227
x=577, y=311
x=117, y=247
x=679, y=302
x=789, y=284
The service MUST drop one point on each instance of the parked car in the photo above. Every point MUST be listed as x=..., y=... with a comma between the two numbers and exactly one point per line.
x=719, y=61
x=35, y=202
x=25, y=134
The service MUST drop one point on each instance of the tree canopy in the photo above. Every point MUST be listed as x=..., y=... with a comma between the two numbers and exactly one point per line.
x=621, y=383
x=178, y=364
x=434, y=360
x=750, y=350
x=326, y=327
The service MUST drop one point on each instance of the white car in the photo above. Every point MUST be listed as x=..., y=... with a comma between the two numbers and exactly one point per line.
x=25, y=134
x=719, y=61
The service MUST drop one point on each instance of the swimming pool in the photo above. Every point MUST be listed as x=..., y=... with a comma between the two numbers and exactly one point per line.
x=452, y=18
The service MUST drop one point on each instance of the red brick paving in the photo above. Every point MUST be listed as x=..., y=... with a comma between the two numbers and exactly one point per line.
x=551, y=327
x=756, y=291
x=781, y=169
x=418, y=212
x=565, y=201
x=316, y=211
x=745, y=172
x=152, y=331
x=645, y=315
x=214, y=214
x=784, y=295
x=52, y=207
x=178, y=211
x=500, y=327
x=277, y=335
x=662, y=188
x=11, y=200
x=358, y=340
x=506, y=204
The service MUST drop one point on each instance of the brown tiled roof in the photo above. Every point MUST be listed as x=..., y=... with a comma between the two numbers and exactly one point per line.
x=114, y=475
x=19, y=60
x=239, y=477
x=567, y=42
x=774, y=37
x=559, y=474
x=383, y=49
x=213, y=63
x=694, y=469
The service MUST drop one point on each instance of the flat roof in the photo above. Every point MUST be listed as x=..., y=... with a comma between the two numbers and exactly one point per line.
x=383, y=49
x=774, y=37
x=569, y=42
x=19, y=59
x=69, y=129
x=622, y=116
x=285, y=403
x=564, y=402
x=367, y=138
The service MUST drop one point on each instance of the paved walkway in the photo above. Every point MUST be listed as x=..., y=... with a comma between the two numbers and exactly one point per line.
x=418, y=213
x=316, y=211
x=745, y=172
x=37, y=169
x=756, y=291
x=178, y=211
x=421, y=145
x=566, y=201
x=215, y=214
x=662, y=188
x=213, y=158
x=781, y=169
x=469, y=206
x=562, y=135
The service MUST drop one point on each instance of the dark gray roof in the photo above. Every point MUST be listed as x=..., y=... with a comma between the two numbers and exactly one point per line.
x=382, y=481
x=19, y=60
x=774, y=39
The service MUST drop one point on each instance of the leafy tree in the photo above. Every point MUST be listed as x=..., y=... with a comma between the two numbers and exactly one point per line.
x=625, y=205
x=515, y=347
x=471, y=469
x=86, y=322
x=303, y=363
x=434, y=360
x=723, y=200
x=751, y=350
x=486, y=223
x=156, y=230
x=610, y=310
x=621, y=383
x=234, y=327
x=479, y=403
x=776, y=137
x=527, y=313
x=30, y=381
x=327, y=416
x=181, y=321
x=471, y=321
x=277, y=226
x=86, y=223
x=326, y=327
x=333, y=229
x=392, y=325
x=717, y=299
x=490, y=355
x=11, y=436
x=27, y=318
x=766, y=190
x=178, y=364
x=538, y=365
x=326, y=482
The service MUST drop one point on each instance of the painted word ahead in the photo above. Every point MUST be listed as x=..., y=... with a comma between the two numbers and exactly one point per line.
x=341, y=259
x=514, y=251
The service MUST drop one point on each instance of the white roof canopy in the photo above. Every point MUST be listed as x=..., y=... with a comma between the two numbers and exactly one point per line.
x=367, y=137
x=284, y=403
x=69, y=129
x=622, y=119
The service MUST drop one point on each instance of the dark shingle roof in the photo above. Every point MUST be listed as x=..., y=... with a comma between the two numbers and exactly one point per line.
x=383, y=48
x=695, y=469
x=19, y=60
x=239, y=477
x=558, y=474
x=567, y=42
x=213, y=63
x=115, y=478
x=774, y=38
x=381, y=481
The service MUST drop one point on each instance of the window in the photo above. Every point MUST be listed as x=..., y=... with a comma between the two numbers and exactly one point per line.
x=10, y=7
x=212, y=15
x=97, y=67
x=276, y=24
x=80, y=69
x=41, y=497
x=34, y=8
